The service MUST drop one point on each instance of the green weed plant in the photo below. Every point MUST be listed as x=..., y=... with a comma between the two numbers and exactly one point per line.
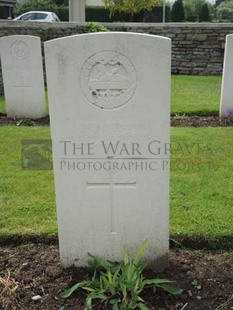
x=94, y=27
x=121, y=283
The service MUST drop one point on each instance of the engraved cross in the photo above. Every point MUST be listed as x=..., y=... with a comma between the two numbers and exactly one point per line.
x=111, y=185
x=21, y=83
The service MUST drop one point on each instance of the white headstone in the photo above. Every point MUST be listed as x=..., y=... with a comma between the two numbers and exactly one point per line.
x=109, y=97
x=23, y=76
x=226, y=104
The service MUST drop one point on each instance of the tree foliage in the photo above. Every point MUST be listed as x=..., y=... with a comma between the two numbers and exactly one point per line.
x=204, y=14
x=193, y=8
x=35, y=5
x=177, y=12
x=129, y=6
x=61, y=2
x=218, y=2
x=224, y=11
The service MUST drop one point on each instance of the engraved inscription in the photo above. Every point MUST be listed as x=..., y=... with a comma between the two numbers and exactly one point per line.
x=108, y=80
x=19, y=49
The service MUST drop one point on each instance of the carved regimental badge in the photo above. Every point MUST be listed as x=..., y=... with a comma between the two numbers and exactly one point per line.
x=19, y=49
x=108, y=80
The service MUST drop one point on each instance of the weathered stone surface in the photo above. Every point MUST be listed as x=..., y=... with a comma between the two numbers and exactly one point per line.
x=226, y=103
x=215, y=59
x=196, y=37
x=23, y=76
x=102, y=92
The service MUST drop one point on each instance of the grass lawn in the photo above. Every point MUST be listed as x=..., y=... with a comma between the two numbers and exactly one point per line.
x=2, y=105
x=190, y=94
x=196, y=94
x=201, y=184
x=26, y=197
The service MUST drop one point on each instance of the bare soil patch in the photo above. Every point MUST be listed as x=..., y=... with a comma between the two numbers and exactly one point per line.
x=4, y=120
x=201, y=121
x=36, y=269
x=181, y=121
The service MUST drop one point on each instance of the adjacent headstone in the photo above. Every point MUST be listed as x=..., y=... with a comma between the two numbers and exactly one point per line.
x=77, y=10
x=23, y=76
x=109, y=97
x=226, y=104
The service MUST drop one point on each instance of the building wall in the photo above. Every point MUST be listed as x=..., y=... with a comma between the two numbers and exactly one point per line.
x=6, y=8
x=197, y=49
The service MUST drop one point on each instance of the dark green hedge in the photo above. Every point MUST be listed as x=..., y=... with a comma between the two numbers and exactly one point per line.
x=63, y=13
x=100, y=14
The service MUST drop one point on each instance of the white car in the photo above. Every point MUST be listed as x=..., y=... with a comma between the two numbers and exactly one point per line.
x=38, y=16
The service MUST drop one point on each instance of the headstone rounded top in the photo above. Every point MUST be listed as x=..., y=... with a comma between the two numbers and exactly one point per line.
x=108, y=80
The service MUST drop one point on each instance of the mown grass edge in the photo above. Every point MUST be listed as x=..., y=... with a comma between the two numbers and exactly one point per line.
x=197, y=242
